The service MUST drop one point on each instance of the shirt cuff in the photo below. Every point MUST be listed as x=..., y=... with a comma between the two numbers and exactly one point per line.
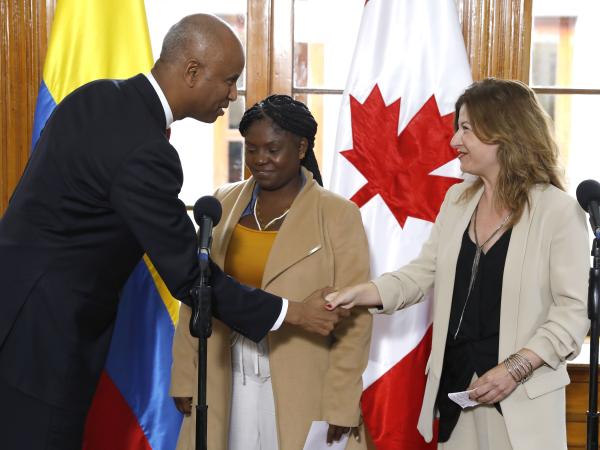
x=279, y=321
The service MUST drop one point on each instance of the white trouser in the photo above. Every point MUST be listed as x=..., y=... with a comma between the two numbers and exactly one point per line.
x=253, y=425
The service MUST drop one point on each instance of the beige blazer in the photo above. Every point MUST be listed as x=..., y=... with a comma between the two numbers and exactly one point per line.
x=544, y=305
x=321, y=243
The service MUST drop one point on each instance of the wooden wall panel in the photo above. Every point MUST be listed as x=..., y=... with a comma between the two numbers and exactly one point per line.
x=23, y=42
x=497, y=36
x=258, y=49
x=577, y=406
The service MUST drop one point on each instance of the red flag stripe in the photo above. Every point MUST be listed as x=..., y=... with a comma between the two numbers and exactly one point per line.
x=111, y=424
x=393, y=398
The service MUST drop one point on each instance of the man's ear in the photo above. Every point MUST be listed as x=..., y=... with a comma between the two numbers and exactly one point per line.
x=193, y=70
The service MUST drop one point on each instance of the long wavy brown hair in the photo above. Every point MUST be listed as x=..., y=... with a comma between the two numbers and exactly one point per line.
x=507, y=113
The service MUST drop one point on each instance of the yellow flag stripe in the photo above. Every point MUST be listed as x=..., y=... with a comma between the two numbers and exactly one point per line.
x=170, y=302
x=94, y=39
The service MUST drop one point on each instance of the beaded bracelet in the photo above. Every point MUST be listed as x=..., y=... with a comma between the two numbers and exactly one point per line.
x=518, y=367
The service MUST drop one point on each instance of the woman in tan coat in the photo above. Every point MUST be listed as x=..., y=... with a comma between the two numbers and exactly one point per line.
x=508, y=258
x=282, y=232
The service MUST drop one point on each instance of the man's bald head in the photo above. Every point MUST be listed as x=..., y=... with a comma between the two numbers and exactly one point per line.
x=199, y=65
x=198, y=35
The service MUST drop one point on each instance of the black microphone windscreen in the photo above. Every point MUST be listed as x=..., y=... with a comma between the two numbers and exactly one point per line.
x=587, y=191
x=207, y=206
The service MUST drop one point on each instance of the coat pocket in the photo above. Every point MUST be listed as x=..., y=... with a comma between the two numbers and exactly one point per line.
x=547, y=380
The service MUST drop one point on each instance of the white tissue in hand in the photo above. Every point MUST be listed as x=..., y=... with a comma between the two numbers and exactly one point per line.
x=462, y=399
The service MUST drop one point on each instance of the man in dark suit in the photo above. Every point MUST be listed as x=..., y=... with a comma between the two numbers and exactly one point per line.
x=100, y=189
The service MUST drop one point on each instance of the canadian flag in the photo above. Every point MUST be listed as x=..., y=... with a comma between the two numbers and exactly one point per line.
x=393, y=158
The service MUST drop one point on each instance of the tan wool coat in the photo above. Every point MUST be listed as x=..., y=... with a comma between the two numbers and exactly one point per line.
x=321, y=243
x=543, y=305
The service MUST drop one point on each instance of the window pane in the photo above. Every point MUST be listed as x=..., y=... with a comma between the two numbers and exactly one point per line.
x=564, y=43
x=228, y=157
x=203, y=148
x=235, y=113
x=235, y=162
x=326, y=109
x=324, y=37
x=575, y=123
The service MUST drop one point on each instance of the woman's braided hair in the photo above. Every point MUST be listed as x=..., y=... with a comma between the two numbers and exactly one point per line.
x=290, y=115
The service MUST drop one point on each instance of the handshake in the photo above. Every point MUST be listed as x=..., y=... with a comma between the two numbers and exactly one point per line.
x=313, y=314
x=321, y=311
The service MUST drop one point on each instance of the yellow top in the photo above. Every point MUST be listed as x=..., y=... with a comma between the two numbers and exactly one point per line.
x=247, y=254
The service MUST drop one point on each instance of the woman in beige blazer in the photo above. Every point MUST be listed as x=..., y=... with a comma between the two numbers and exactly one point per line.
x=320, y=241
x=508, y=259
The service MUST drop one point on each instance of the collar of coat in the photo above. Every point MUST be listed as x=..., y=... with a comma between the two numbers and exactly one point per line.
x=300, y=234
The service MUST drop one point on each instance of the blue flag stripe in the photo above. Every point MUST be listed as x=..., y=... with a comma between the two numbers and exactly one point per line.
x=139, y=360
x=43, y=108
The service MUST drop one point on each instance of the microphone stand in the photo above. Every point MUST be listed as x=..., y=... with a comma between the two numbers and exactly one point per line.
x=593, y=308
x=201, y=327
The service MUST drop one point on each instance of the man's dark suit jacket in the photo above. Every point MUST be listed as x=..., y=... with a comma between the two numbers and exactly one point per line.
x=100, y=189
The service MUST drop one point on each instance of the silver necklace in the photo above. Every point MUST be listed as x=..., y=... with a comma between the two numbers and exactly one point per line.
x=260, y=227
x=475, y=266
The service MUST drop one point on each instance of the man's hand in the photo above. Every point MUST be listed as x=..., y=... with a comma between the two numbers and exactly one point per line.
x=311, y=314
x=335, y=433
x=183, y=405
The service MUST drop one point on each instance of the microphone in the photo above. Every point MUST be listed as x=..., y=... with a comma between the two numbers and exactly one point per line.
x=588, y=196
x=207, y=214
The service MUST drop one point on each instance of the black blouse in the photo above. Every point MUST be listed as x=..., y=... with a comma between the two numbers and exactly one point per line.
x=475, y=349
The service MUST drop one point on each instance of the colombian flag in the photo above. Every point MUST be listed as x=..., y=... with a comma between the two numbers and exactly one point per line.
x=93, y=39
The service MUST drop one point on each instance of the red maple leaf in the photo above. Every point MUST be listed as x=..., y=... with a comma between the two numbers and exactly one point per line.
x=398, y=167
